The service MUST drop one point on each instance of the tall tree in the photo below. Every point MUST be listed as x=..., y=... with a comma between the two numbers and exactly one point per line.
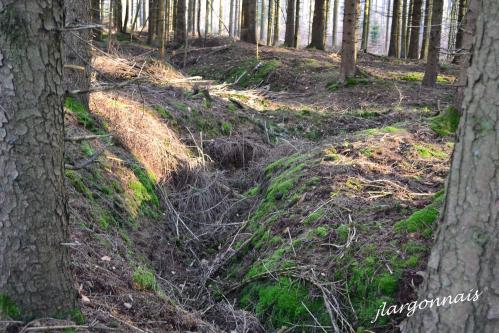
x=118, y=15
x=34, y=264
x=431, y=69
x=180, y=24
x=467, y=50
x=276, y=23
x=248, y=21
x=387, y=33
x=426, y=31
x=464, y=257
x=318, y=25
x=394, y=49
x=270, y=21
x=207, y=22
x=127, y=16
x=220, y=17
x=365, y=25
x=290, y=23
x=161, y=27
x=335, y=22
x=297, y=24
x=96, y=18
x=415, y=23
x=152, y=21
x=262, y=20
x=198, y=19
x=403, y=32
x=460, y=28
x=349, y=40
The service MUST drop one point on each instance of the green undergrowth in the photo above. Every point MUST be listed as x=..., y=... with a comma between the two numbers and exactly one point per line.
x=82, y=114
x=145, y=278
x=9, y=308
x=252, y=72
x=446, y=123
x=350, y=81
x=418, y=76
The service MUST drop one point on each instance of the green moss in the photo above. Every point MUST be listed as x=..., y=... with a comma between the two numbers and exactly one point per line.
x=164, y=113
x=342, y=232
x=82, y=114
x=350, y=81
x=383, y=130
x=145, y=278
x=314, y=216
x=9, y=308
x=426, y=151
x=322, y=231
x=226, y=128
x=422, y=220
x=77, y=181
x=413, y=76
x=252, y=72
x=446, y=123
x=411, y=247
x=87, y=149
x=144, y=186
x=252, y=192
x=280, y=303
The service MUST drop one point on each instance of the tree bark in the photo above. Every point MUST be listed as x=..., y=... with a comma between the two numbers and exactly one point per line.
x=318, y=26
x=276, y=23
x=365, y=25
x=118, y=15
x=431, y=69
x=248, y=21
x=161, y=27
x=152, y=21
x=297, y=24
x=262, y=20
x=127, y=15
x=427, y=28
x=387, y=34
x=34, y=265
x=461, y=23
x=180, y=26
x=96, y=18
x=415, y=22
x=465, y=255
x=231, y=18
x=270, y=21
x=394, y=49
x=290, y=23
x=335, y=22
x=403, y=42
x=350, y=38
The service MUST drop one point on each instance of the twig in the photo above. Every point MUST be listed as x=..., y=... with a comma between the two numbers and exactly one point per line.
x=86, y=137
x=315, y=319
x=86, y=162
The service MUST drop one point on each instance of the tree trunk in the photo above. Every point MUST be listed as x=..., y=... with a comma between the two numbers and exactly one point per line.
x=127, y=14
x=335, y=22
x=248, y=21
x=415, y=22
x=451, y=43
x=96, y=18
x=431, y=69
x=190, y=15
x=220, y=18
x=270, y=21
x=464, y=258
x=231, y=18
x=290, y=23
x=467, y=47
x=349, y=40
x=394, y=50
x=118, y=15
x=180, y=27
x=198, y=20
x=297, y=24
x=427, y=28
x=460, y=29
x=262, y=21
x=387, y=34
x=276, y=23
x=207, y=19
x=365, y=25
x=152, y=21
x=161, y=27
x=34, y=264
x=403, y=42
x=318, y=26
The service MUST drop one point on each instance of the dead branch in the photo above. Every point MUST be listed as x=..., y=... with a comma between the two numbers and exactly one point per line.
x=86, y=162
x=86, y=137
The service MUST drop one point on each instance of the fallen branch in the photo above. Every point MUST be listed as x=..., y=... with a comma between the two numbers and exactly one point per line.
x=86, y=162
x=86, y=137
x=105, y=88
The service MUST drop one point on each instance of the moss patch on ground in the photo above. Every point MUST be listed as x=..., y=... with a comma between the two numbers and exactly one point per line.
x=252, y=72
x=446, y=123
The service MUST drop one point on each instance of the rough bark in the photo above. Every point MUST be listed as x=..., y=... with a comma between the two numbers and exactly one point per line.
x=34, y=265
x=465, y=255
x=387, y=34
x=207, y=19
x=431, y=69
x=127, y=15
x=118, y=15
x=290, y=23
x=461, y=23
x=152, y=21
x=427, y=28
x=248, y=21
x=394, y=49
x=415, y=22
x=297, y=24
x=276, y=23
x=180, y=24
x=467, y=50
x=349, y=40
x=318, y=26
x=365, y=25
x=335, y=22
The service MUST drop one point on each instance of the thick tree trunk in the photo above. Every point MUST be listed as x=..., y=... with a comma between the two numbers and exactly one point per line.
x=127, y=15
x=297, y=24
x=248, y=21
x=276, y=23
x=431, y=69
x=365, y=25
x=270, y=21
x=118, y=15
x=152, y=21
x=180, y=27
x=403, y=36
x=394, y=49
x=415, y=22
x=318, y=26
x=465, y=256
x=467, y=47
x=349, y=40
x=427, y=28
x=335, y=22
x=34, y=264
x=451, y=42
x=190, y=15
x=237, y=18
x=290, y=23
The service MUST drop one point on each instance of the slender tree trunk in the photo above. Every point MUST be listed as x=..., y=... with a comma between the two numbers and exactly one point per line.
x=290, y=23
x=127, y=13
x=110, y=26
x=118, y=15
x=318, y=26
x=237, y=20
x=220, y=17
x=326, y=19
x=161, y=28
x=297, y=24
x=262, y=20
x=467, y=48
x=431, y=69
x=349, y=40
x=169, y=17
x=427, y=28
x=415, y=22
x=451, y=43
x=394, y=50
x=270, y=21
x=190, y=15
x=96, y=18
x=387, y=34
x=365, y=26
x=403, y=42
x=248, y=21
x=464, y=259
x=408, y=28
x=198, y=21
x=276, y=23
x=207, y=18
x=173, y=20
x=335, y=22
x=231, y=19
x=34, y=264
x=152, y=21
x=180, y=26
x=460, y=29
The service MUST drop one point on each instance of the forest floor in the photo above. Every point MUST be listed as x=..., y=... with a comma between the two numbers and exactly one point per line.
x=247, y=195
